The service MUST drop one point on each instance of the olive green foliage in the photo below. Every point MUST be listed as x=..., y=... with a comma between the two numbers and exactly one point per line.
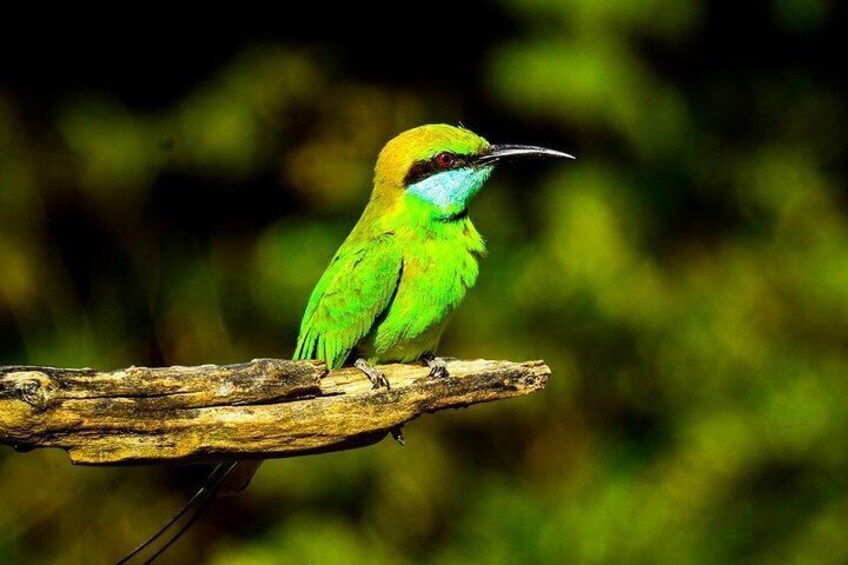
x=686, y=279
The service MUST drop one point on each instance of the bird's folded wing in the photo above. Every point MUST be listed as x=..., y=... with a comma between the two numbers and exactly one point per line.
x=356, y=288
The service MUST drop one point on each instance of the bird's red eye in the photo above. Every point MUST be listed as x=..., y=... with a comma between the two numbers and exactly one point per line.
x=445, y=160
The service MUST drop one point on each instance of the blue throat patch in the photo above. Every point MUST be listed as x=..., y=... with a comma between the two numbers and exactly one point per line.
x=451, y=191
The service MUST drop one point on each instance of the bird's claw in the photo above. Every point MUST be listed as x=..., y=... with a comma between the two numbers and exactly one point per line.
x=438, y=366
x=397, y=435
x=377, y=378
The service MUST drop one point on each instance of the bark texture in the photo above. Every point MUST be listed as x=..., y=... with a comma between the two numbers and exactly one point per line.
x=266, y=408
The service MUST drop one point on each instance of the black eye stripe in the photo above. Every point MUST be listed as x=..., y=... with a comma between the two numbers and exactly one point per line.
x=420, y=170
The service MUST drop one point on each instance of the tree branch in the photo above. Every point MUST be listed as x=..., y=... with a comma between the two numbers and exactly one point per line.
x=262, y=409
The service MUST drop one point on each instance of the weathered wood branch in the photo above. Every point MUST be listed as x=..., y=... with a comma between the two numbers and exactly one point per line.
x=262, y=409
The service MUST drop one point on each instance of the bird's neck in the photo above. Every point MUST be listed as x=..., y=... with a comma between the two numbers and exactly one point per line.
x=415, y=219
x=425, y=214
x=416, y=223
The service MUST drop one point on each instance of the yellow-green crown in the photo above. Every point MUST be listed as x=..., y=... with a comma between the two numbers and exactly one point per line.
x=422, y=144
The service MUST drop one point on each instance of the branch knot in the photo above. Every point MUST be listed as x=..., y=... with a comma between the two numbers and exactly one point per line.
x=32, y=387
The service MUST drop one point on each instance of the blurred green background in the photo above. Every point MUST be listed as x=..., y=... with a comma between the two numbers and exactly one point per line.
x=171, y=195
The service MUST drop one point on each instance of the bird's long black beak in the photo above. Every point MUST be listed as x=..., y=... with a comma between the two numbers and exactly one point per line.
x=498, y=153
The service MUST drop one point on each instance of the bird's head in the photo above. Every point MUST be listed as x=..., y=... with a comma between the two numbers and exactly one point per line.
x=439, y=168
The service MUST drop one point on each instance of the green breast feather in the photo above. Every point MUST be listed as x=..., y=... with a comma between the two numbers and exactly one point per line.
x=437, y=271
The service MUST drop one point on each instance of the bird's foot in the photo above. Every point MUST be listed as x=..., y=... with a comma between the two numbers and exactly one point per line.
x=438, y=366
x=377, y=378
x=397, y=435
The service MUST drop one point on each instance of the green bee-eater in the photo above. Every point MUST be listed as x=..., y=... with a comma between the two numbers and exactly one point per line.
x=405, y=267
x=391, y=287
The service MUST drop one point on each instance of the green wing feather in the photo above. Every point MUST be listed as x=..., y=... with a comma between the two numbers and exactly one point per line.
x=354, y=290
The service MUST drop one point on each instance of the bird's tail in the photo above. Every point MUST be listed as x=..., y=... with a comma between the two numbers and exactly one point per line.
x=226, y=479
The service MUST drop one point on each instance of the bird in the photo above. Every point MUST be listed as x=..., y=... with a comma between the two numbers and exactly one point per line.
x=391, y=287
